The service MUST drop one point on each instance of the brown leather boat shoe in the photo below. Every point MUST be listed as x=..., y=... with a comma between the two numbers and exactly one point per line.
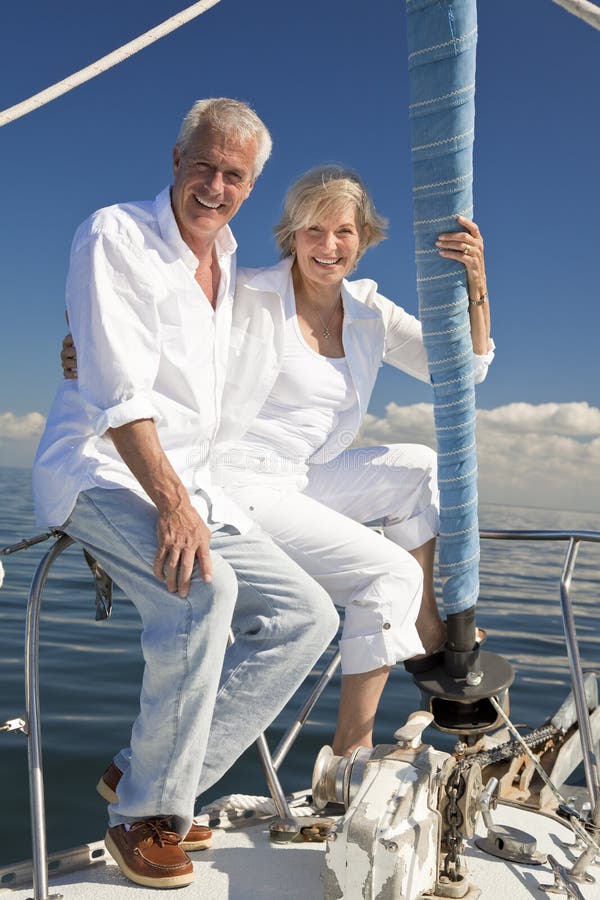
x=199, y=837
x=149, y=853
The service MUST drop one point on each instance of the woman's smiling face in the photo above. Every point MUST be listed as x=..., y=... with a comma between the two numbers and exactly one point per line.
x=327, y=249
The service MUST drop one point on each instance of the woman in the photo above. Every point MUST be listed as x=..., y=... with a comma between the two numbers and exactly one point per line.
x=306, y=346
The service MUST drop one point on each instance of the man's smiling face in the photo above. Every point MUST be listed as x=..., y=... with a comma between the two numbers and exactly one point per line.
x=213, y=176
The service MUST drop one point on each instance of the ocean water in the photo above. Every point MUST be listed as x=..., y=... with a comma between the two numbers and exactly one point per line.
x=90, y=671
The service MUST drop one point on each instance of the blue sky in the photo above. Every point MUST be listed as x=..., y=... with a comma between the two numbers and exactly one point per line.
x=330, y=81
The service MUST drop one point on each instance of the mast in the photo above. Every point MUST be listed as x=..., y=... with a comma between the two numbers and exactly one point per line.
x=442, y=39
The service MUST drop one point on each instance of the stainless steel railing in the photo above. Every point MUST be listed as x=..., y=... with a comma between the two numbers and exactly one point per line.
x=32, y=716
x=31, y=725
x=272, y=762
x=574, y=539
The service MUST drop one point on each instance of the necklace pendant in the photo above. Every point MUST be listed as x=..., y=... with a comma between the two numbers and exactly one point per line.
x=326, y=333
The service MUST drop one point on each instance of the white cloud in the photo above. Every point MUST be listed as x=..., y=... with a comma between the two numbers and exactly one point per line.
x=19, y=436
x=18, y=428
x=570, y=419
x=546, y=455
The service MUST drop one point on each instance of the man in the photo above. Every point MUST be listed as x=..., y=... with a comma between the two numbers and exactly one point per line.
x=124, y=468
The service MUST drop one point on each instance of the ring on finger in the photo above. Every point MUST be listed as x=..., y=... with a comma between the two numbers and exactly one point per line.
x=466, y=249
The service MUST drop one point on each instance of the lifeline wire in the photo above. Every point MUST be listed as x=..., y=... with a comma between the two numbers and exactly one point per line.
x=577, y=828
x=105, y=62
x=538, y=766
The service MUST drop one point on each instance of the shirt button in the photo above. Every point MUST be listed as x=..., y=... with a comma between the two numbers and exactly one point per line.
x=386, y=626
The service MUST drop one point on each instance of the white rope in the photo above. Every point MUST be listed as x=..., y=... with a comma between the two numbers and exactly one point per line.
x=106, y=62
x=234, y=806
x=242, y=803
x=1, y=574
x=585, y=10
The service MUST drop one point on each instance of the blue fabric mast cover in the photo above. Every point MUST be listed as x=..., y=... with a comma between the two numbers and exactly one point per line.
x=442, y=39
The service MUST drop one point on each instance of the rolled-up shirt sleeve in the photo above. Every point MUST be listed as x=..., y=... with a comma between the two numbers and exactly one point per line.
x=481, y=363
x=405, y=349
x=113, y=317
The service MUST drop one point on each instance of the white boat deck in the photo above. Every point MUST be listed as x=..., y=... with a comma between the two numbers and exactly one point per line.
x=243, y=864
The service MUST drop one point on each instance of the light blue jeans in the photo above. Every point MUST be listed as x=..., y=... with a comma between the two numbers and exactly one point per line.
x=202, y=703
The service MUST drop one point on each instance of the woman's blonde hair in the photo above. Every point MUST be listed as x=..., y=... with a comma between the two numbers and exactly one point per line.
x=322, y=191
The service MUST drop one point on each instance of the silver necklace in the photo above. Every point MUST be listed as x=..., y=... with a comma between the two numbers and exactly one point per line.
x=325, y=325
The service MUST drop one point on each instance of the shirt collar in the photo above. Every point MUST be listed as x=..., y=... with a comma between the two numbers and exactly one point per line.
x=273, y=278
x=354, y=293
x=225, y=243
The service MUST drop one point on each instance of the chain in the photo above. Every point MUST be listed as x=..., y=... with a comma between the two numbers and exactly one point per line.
x=513, y=749
x=456, y=786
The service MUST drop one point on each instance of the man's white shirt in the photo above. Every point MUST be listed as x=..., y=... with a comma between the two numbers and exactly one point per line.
x=149, y=346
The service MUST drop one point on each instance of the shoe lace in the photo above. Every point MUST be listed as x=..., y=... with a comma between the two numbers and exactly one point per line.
x=157, y=829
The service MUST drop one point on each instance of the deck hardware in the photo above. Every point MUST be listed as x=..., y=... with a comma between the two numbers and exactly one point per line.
x=574, y=538
x=274, y=761
x=574, y=818
x=468, y=802
x=15, y=725
x=392, y=846
x=410, y=735
x=459, y=889
x=505, y=841
x=523, y=743
x=50, y=897
x=286, y=828
x=284, y=831
x=460, y=706
x=104, y=588
x=591, y=853
x=316, y=831
x=60, y=863
x=563, y=883
x=336, y=779
x=308, y=829
x=565, y=811
x=453, y=836
x=25, y=543
x=590, y=762
x=383, y=789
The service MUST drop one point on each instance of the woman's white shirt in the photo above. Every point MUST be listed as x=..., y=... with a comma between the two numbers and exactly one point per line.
x=312, y=396
x=375, y=330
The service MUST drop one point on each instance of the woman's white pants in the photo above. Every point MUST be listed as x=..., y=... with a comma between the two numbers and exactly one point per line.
x=372, y=577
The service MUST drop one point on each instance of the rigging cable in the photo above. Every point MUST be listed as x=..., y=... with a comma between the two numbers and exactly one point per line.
x=105, y=62
x=585, y=10
x=578, y=829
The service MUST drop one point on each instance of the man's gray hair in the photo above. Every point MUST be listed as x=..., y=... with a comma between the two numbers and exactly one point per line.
x=321, y=191
x=229, y=117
